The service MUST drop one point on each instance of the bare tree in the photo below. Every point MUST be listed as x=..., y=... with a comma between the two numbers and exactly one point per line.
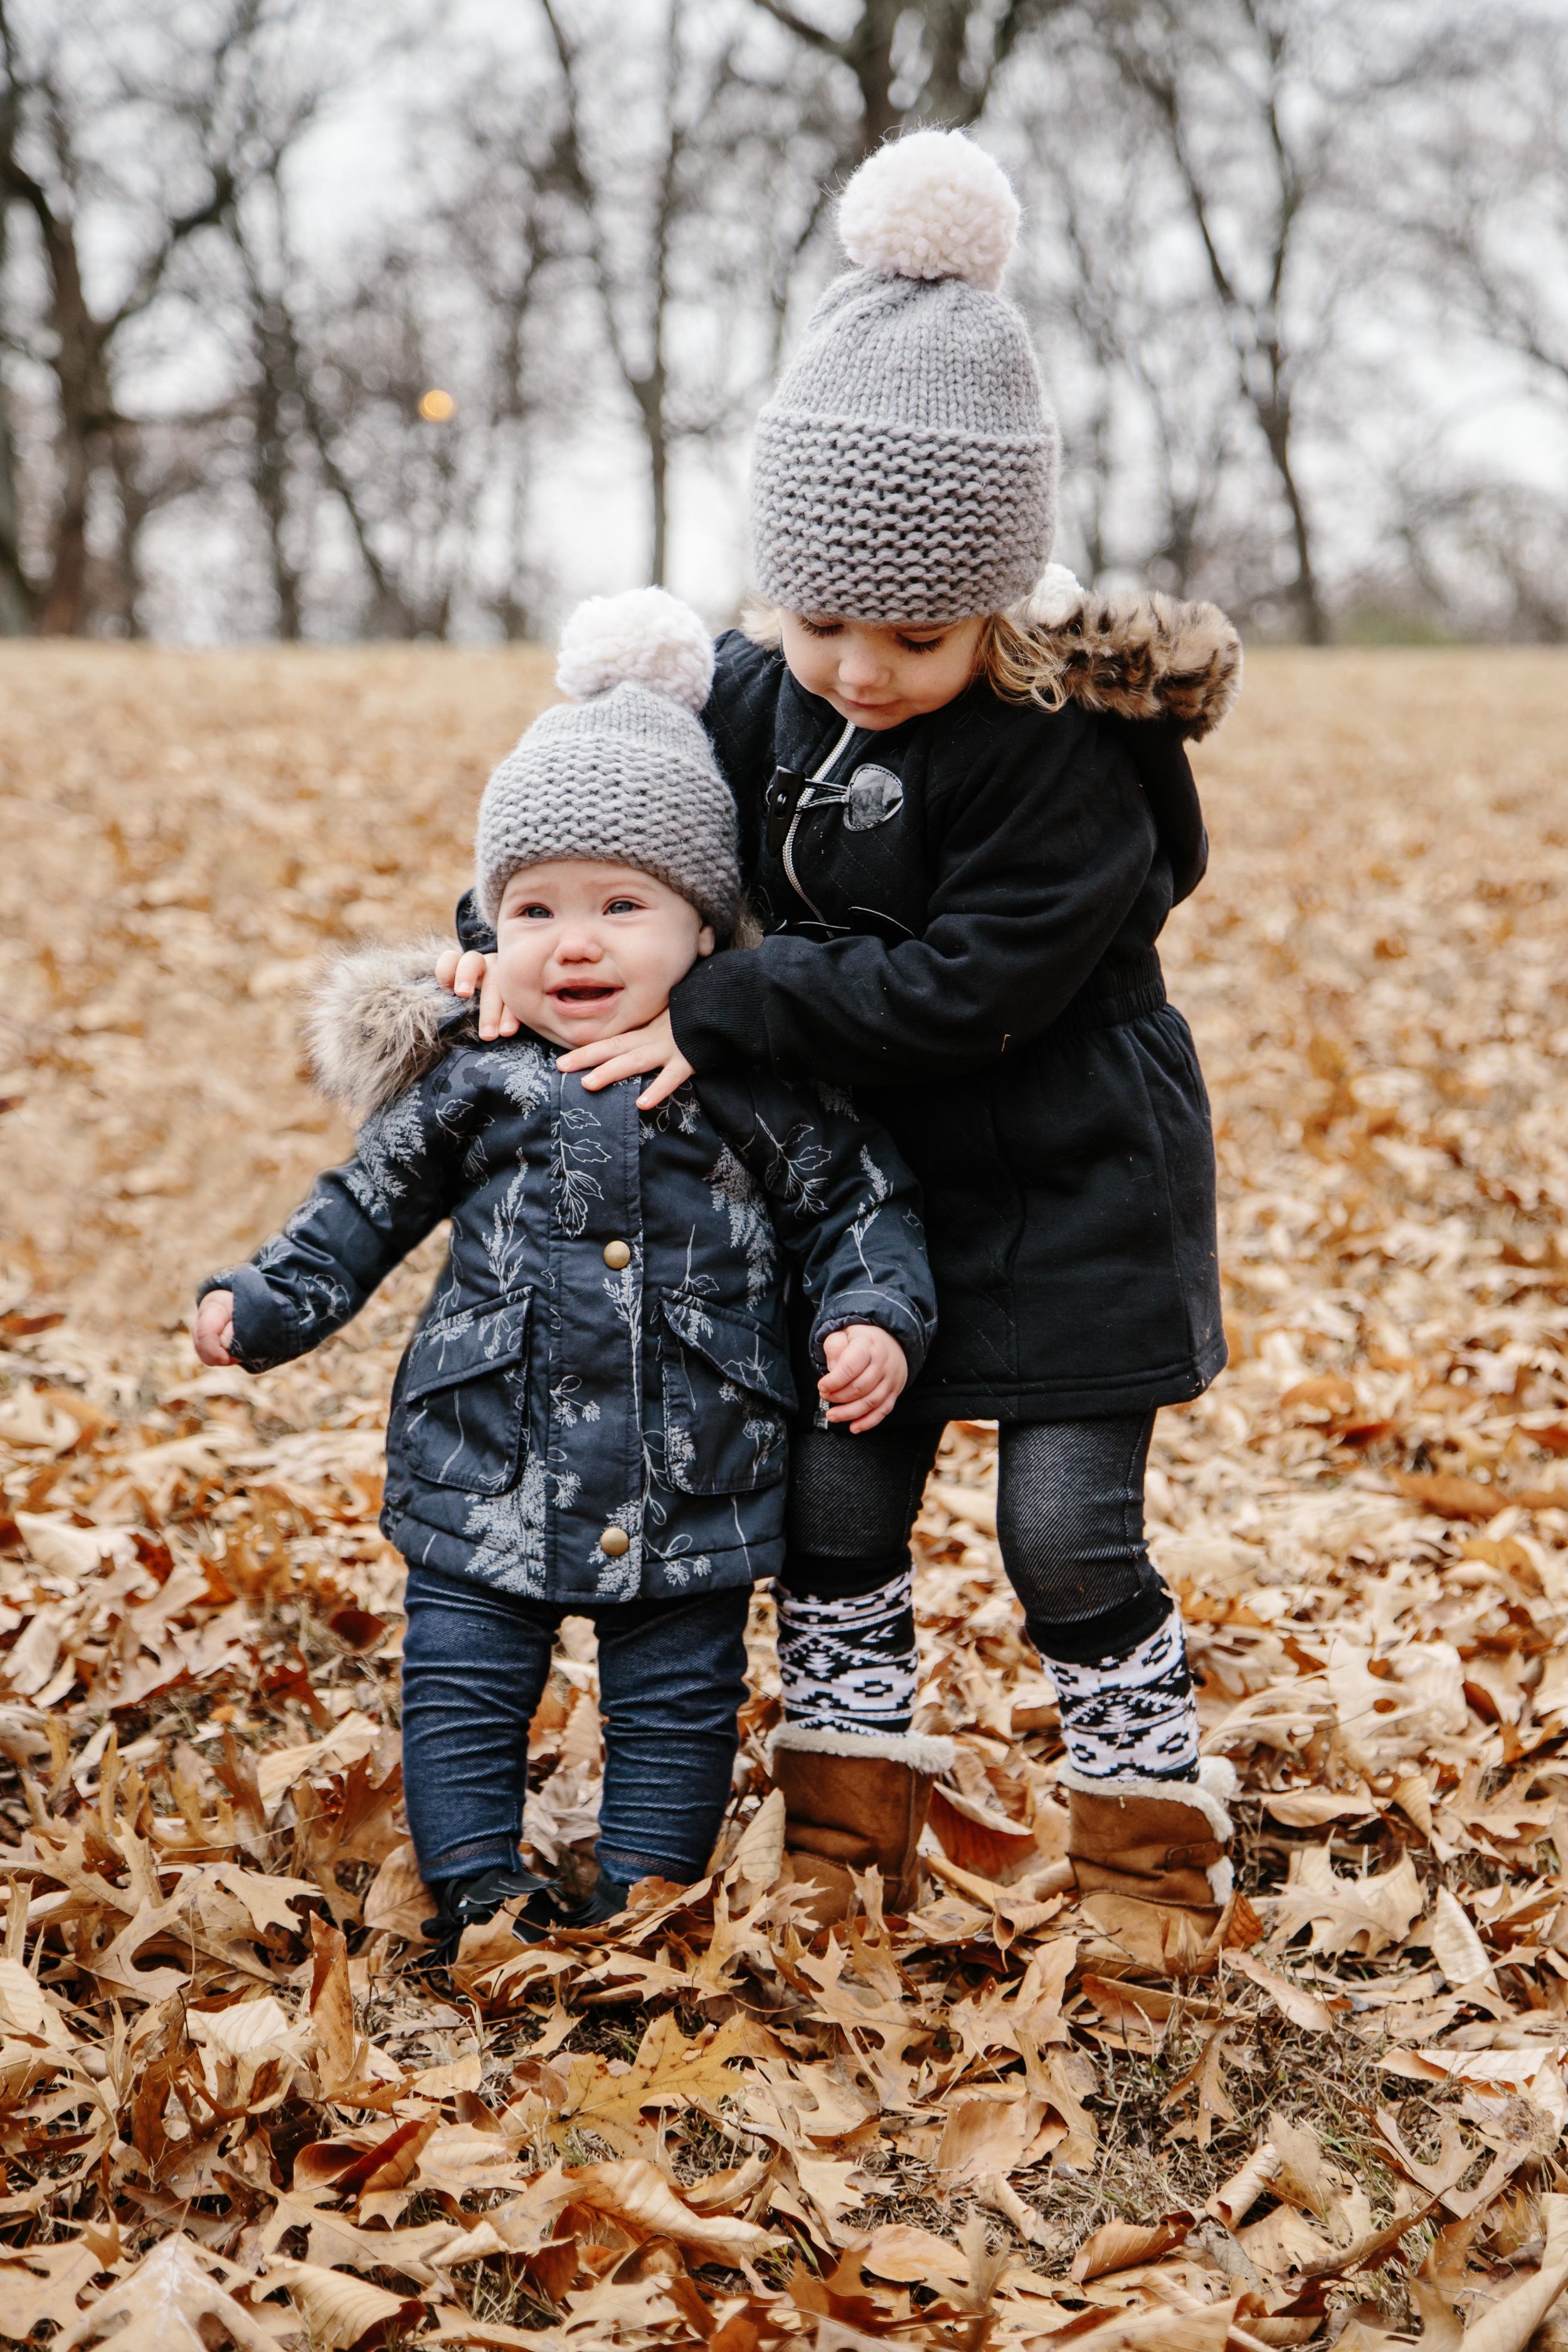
x=653, y=166
x=1249, y=105
x=1482, y=217
x=44, y=176
x=1142, y=382
x=935, y=64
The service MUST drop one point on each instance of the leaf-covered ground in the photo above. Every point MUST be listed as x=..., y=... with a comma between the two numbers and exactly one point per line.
x=228, y=2105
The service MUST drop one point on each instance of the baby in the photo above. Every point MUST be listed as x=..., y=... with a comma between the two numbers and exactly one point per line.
x=592, y=1417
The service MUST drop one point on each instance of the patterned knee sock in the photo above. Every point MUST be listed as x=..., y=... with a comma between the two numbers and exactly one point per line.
x=1132, y=1714
x=848, y=1666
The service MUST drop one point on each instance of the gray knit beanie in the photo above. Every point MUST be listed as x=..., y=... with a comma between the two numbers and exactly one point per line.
x=624, y=771
x=906, y=468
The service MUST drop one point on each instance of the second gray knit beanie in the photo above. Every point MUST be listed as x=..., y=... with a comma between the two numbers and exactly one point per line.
x=905, y=469
x=623, y=772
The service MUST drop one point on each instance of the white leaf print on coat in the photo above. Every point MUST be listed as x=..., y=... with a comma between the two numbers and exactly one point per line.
x=324, y=1297
x=683, y=1566
x=524, y=1069
x=506, y=1237
x=509, y=1530
x=565, y=1407
x=678, y=1110
x=795, y=1169
x=388, y=1141
x=737, y=1195
x=621, y=1580
x=575, y=1155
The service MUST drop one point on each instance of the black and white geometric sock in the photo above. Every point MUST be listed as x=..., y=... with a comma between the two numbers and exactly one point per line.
x=1131, y=1713
x=849, y=1664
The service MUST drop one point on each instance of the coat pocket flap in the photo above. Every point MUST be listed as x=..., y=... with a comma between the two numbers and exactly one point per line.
x=737, y=1349
x=467, y=1346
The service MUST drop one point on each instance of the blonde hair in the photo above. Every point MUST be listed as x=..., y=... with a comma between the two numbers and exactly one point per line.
x=1019, y=663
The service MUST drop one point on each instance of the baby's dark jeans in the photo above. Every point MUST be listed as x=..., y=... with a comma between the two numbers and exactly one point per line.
x=672, y=1675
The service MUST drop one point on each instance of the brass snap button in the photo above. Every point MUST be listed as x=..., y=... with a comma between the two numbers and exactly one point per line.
x=615, y=1541
x=617, y=1254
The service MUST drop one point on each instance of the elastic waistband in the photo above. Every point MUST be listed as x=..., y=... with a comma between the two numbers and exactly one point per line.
x=1113, y=993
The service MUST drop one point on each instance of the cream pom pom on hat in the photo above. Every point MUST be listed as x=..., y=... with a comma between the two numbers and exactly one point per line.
x=905, y=469
x=623, y=771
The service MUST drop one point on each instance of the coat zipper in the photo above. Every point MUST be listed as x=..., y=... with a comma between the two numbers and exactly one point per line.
x=803, y=802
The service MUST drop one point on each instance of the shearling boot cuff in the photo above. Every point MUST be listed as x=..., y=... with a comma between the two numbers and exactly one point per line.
x=852, y=1799
x=1134, y=1827
x=928, y=1752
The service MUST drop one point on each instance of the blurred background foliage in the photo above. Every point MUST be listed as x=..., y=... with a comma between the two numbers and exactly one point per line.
x=344, y=319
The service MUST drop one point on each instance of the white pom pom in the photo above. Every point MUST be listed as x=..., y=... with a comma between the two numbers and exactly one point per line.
x=932, y=204
x=646, y=637
x=1055, y=597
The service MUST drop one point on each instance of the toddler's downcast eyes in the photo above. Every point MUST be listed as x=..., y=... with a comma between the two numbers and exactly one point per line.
x=624, y=907
x=819, y=628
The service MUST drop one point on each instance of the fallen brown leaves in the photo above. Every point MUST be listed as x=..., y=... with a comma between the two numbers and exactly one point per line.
x=229, y=2103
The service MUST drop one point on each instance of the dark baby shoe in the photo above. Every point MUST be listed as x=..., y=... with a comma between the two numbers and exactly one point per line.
x=547, y=1911
x=469, y=1902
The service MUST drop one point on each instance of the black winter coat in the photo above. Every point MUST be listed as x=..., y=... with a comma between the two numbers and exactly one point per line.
x=605, y=1352
x=960, y=927
x=963, y=932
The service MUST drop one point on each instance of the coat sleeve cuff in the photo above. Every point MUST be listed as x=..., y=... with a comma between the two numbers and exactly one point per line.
x=716, y=1012
x=879, y=1306
x=265, y=1334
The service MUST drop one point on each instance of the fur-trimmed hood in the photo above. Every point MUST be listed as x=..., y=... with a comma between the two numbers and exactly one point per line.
x=379, y=1020
x=1136, y=656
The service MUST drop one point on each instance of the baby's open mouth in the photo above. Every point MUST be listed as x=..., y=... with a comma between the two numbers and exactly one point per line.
x=587, y=992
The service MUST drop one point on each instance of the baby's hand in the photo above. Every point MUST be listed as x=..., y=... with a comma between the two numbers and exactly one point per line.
x=464, y=970
x=866, y=1369
x=213, y=1330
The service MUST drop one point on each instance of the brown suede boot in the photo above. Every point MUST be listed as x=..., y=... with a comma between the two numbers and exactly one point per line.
x=852, y=1798
x=1150, y=1862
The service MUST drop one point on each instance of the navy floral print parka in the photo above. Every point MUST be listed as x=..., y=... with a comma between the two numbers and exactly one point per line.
x=594, y=1406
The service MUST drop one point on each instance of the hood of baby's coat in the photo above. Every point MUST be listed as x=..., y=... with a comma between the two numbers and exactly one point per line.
x=380, y=1020
x=1146, y=655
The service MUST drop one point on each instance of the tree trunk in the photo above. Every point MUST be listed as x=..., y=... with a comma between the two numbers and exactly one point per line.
x=16, y=599
x=1274, y=416
x=658, y=487
x=269, y=464
x=134, y=508
x=84, y=413
x=17, y=603
x=868, y=54
x=650, y=391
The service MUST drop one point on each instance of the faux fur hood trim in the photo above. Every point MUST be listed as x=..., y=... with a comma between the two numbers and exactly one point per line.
x=1209, y=1794
x=922, y=1751
x=1140, y=654
x=378, y=1021
x=1137, y=656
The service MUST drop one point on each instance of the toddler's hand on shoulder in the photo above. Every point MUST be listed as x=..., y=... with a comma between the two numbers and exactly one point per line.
x=631, y=1055
x=212, y=1333
x=464, y=970
x=867, y=1371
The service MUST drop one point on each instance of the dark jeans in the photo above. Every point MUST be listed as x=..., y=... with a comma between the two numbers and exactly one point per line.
x=1069, y=1517
x=672, y=1675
